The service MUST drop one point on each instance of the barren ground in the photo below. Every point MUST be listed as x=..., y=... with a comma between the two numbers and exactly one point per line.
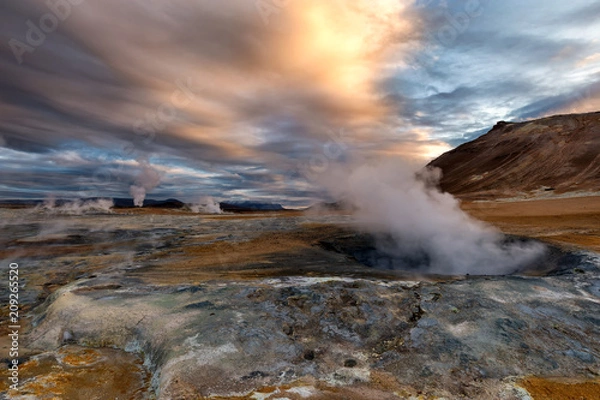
x=571, y=221
x=144, y=304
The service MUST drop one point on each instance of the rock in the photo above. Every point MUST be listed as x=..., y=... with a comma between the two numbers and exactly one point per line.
x=288, y=329
x=298, y=320
x=350, y=363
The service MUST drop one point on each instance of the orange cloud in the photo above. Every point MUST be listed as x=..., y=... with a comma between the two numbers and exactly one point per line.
x=314, y=63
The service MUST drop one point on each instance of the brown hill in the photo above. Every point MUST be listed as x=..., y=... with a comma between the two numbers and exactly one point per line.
x=552, y=155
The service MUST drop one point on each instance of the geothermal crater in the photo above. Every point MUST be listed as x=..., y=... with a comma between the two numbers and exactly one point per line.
x=381, y=252
x=283, y=305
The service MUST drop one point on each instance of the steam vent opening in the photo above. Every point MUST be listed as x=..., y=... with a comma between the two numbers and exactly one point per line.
x=379, y=252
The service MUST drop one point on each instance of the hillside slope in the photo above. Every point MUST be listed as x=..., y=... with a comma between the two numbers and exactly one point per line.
x=555, y=155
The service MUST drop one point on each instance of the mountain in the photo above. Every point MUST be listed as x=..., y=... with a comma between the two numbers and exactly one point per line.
x=125, y=202
x=556, y=155
x=118, y=202
x=168, y=203
x=241, y=206
x=20, y=203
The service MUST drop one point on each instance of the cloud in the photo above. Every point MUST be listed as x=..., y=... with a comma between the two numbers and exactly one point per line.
x=581, y=99
x=510, y=56
x=212, y=83
x=223, y=88
x=585, y=14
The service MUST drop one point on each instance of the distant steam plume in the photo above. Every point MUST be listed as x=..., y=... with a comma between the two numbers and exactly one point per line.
x=207, y=205
x=76, y=207
x=148, y=179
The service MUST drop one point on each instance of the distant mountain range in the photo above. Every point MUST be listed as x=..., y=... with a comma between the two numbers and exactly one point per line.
x=241, y=206
x=149, y=203
x=552, y=155
x=120, y=202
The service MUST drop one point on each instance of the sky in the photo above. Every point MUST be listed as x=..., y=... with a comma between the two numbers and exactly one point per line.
x=253, y=99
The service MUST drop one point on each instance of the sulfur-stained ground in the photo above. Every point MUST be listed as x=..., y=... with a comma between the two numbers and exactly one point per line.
x=174, y=305
x=571, y=221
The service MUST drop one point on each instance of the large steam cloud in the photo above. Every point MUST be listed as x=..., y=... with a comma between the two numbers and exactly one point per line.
x=417, y=223
x=206, y=205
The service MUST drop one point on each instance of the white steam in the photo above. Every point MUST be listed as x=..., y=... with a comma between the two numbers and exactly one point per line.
x=424, y=225
x=139, y=194
x=148, y=179
x=76, y=207
x=206, y=205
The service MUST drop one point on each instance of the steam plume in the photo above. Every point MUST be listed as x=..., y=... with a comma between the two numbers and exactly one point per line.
x=420, y=224
x=148, y=179
x=207, y=205
x=76, y=207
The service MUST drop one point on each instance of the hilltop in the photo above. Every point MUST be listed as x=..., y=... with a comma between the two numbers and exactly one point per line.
x=549, y=156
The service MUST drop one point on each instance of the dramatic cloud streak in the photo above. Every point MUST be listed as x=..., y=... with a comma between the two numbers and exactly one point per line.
x=244, y=99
